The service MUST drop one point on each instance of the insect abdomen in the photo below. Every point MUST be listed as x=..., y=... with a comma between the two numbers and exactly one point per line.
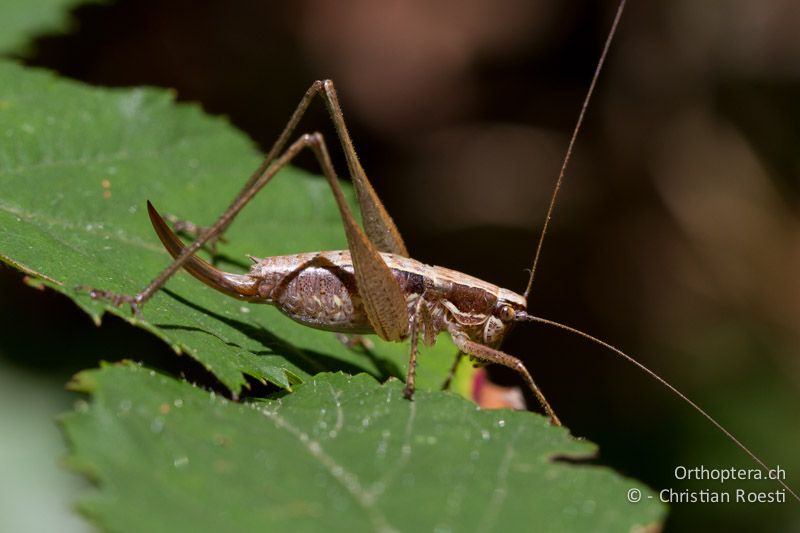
x=319, y=290
x=323, y=298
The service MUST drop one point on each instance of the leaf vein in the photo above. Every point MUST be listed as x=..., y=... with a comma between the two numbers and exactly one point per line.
x=347, y=479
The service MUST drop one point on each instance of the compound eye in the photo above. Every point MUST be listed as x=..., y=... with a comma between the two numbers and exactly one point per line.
x=506, y=313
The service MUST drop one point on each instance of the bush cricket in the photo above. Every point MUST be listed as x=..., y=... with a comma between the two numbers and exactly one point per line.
x=375, y=286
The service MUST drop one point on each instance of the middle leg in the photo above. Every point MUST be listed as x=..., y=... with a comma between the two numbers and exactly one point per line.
x=416, y=320
x=451, y=374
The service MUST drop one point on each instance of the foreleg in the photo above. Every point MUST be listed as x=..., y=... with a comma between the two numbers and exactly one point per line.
x=490, y=355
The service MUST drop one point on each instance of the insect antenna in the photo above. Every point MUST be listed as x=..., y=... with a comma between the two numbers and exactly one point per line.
x=523, y=316
x=571, y=144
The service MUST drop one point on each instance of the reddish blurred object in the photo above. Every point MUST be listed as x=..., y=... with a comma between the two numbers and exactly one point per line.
x=489, y=395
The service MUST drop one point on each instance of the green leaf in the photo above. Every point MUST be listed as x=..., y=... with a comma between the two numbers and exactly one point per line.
x=342, y=453
x=77, y=165
x=29, y=450
x=22, y=20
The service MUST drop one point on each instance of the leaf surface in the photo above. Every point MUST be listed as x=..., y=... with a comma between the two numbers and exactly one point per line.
x=23, y=20
x=342, y=453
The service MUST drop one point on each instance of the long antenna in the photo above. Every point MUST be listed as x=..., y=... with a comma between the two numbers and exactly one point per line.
x=575, y=131
x=530, y=318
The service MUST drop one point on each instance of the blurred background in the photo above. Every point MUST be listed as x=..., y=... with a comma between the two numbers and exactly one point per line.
x=676, y=237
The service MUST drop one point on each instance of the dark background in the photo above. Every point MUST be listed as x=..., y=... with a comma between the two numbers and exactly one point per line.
x=676, y=237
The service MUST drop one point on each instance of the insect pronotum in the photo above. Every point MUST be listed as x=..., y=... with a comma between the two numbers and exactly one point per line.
x=375, y=286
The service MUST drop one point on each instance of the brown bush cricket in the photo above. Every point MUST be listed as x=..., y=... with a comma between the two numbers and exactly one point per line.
x=374, y=286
